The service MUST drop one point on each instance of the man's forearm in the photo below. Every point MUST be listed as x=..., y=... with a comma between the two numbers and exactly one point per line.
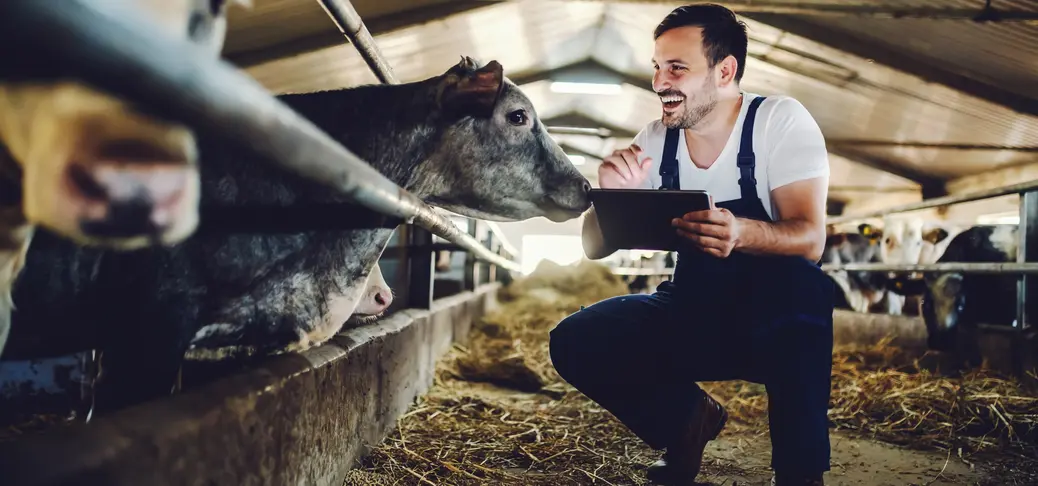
x=591, y=237
x=787, y=237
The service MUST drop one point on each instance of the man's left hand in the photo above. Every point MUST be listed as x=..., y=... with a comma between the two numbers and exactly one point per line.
x=715, y=231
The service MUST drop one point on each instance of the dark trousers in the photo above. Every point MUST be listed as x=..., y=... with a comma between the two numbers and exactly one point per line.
x=640, y=356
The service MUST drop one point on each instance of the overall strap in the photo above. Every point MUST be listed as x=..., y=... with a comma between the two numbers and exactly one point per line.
x=746, y=160
x=669, y=164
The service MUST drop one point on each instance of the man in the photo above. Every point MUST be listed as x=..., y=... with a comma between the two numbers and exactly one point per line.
x=748, y=300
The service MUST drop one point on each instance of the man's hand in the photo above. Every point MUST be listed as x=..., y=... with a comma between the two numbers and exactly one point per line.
x=715, y=231
x=621, y=170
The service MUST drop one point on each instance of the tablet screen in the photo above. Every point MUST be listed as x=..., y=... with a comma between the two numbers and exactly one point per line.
x=639, y=219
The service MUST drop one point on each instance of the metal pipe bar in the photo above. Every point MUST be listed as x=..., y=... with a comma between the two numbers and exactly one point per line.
x=875, y=11
x=1027, y=251
x=641, y=271
x=941, y=201
x=349, y=22
x=598, y=132
x=989, y=268
x=105, y=45
x=853, y=142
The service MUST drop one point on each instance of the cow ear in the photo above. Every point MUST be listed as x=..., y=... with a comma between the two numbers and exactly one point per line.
x=869, y=231
x=935, y=235
x=468, y=91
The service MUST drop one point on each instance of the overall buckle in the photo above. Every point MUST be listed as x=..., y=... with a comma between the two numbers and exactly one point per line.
x=746, y=165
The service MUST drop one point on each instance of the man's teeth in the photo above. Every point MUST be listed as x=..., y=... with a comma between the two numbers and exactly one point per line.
x=670, y=99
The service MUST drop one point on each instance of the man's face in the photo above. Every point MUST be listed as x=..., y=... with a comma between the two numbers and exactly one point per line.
x=683, y=79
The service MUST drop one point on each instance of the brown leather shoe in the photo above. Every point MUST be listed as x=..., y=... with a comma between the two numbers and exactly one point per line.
x=680, y=464
x=798, y=481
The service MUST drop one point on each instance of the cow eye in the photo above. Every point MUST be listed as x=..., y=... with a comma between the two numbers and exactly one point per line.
x=517, y=117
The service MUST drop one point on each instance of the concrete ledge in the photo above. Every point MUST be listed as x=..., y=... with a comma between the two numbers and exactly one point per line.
x=301, y=418
x=851, y=327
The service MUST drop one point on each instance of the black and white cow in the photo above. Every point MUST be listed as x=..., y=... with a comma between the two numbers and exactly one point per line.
x=954, y=303
x=857, y=290
x=910, y=241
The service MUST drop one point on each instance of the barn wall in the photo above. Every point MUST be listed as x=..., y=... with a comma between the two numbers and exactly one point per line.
x=298, y=418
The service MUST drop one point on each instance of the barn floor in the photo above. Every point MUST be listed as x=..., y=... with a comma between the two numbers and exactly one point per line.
x=498, y=414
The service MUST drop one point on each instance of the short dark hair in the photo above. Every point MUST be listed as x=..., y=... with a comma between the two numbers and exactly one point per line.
x=723, y=33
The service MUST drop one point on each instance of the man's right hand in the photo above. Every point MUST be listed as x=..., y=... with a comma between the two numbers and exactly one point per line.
x=621, y=170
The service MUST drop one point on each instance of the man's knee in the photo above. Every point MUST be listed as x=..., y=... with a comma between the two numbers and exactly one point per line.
x=565, y=340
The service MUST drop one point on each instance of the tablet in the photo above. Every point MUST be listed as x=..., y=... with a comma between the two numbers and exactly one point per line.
x=639, y=219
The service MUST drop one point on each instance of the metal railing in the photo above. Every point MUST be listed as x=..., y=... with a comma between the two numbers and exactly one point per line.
x=1028, y=191
x=1020, y=188
x=349, y=22
x=596, y=132
x=107, y=46
x=1024, y=269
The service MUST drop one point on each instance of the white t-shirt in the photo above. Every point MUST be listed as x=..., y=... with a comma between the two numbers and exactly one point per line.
x=787, y=143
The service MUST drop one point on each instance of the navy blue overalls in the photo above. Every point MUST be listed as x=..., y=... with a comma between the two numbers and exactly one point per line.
x=765, y=319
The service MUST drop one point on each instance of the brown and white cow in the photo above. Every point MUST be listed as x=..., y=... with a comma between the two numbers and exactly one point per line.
x=92, y=168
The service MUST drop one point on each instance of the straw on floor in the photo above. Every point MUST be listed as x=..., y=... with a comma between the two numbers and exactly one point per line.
x=499, y=414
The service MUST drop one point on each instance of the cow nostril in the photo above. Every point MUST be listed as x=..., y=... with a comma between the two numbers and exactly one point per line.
x=380, y=298
x=587, y=187
x=123, y=219
x=85, y=182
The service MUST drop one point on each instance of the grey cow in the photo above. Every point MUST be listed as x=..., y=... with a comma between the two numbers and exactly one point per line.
x=468, y=140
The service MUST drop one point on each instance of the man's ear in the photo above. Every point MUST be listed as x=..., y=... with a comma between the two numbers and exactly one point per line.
x=467, y=91
x=727, y=69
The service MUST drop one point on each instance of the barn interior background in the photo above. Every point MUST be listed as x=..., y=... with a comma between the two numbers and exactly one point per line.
x=919, y=101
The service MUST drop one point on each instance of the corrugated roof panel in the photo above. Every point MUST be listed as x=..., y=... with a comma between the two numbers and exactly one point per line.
x=849, y=96
x=849, y=181
x=845, y=173
x=1000, y=54
x=272, y=22
x=519, y=35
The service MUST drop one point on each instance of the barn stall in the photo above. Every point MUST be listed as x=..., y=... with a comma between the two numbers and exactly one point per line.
x=912, y=128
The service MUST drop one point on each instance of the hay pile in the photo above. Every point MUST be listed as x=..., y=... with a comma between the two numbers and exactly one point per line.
x=881, y=391
x=885, y=393
x=499, y=414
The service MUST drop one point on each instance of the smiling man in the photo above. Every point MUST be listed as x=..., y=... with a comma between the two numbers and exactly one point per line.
x=748, y=300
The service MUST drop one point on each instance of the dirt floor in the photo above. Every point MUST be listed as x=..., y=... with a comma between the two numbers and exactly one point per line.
x=498, y=414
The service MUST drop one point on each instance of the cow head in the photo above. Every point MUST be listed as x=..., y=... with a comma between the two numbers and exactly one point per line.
x=97, y=170
x=943, y=304
x=495, y=160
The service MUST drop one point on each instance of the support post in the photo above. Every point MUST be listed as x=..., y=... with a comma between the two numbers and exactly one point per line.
x=420, y=268
x=471, y=265
x=494, y=247
x=1027, y=285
